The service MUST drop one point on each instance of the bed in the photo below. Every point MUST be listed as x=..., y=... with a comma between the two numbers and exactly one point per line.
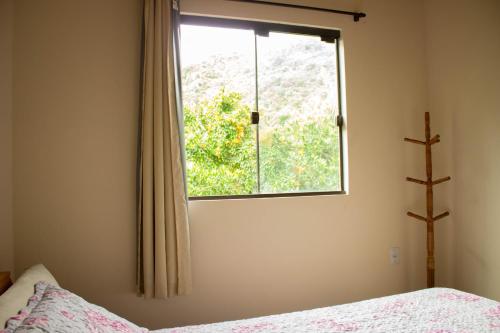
x=436, y=310
x=50, y=308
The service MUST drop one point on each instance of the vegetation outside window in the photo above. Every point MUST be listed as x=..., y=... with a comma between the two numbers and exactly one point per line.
x=262, y=113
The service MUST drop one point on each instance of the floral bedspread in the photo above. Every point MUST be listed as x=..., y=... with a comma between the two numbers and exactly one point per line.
x=55, y=310
x=436, y=310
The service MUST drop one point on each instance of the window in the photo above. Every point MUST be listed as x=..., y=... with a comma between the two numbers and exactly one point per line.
x=262, y=113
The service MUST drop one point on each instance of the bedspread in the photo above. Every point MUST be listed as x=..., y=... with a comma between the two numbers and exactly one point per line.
x=436, y=310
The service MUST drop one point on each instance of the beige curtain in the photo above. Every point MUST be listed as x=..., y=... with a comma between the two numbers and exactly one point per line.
x=164, y=267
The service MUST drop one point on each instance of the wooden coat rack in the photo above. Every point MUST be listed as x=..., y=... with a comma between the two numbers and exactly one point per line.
x=429, y=183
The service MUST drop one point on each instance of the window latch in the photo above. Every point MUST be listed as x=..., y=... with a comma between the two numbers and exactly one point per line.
x=255, y=117
x=340, y=121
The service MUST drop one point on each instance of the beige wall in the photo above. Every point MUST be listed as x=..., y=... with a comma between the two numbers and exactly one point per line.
x=75, y=126
x=6, y=49
x=464, y=90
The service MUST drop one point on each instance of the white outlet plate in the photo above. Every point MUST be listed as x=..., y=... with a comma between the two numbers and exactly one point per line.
x=394, y=255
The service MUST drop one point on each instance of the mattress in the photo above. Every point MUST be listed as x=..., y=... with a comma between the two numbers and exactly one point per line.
x=436, y=310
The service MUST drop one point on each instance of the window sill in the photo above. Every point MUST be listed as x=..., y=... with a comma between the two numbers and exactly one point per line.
x=266, y=195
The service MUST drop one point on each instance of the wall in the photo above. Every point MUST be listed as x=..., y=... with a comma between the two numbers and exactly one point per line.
x=464, y=86
x=76, y=89
x=6, y=49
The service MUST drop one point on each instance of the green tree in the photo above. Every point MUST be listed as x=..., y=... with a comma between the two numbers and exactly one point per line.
x=300, y=157
x=295, y=156
x=220, y=147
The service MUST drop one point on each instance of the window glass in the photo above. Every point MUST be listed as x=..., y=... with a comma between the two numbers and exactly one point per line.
x=290, y=81
x=218, y=78
x=298, y=103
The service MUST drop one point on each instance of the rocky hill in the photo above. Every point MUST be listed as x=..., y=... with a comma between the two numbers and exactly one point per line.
x=295, y=81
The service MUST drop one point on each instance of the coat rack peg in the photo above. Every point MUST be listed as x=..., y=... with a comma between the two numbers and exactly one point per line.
x=441, y=180
x=415, y=141
x=435, y=139
x=440, y=216
x=418, y=217
x=429, y=183
x=418, y=181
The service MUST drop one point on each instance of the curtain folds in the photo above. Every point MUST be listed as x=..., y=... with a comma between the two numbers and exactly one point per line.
x=164, y=264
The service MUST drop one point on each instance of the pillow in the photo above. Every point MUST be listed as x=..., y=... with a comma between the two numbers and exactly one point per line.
x=53, y=309
x=16, y=320
x=16, y=297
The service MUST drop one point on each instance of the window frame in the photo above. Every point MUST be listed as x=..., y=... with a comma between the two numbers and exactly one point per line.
x=263, y=28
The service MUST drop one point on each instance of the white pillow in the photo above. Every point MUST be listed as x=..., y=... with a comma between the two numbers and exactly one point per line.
x=16, y=297
x=53, y=309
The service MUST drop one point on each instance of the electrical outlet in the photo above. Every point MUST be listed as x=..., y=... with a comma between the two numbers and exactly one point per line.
x=394, y=255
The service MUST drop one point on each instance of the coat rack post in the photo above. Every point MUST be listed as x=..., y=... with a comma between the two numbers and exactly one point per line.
x=430, y=203
x=429, y=183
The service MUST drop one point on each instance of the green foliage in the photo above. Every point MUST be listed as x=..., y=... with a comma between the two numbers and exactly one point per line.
x=300, y=157
x=220, y=147
x=221, y=151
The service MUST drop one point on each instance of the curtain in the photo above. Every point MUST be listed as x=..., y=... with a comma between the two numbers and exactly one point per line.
x=164, y=264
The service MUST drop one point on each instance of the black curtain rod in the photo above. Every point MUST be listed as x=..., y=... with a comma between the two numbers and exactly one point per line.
x=356, y=15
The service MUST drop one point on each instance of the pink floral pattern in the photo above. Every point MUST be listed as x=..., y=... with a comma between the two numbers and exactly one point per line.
x=493, y=315
x=460, y=296
x=53, y=309
x=68, y=314
x=97, y=320
x=14, y=322
x=255, y=328
x=436, y=310
x=334, y=326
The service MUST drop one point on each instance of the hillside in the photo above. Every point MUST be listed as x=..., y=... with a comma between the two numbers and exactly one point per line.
x=296, y=80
